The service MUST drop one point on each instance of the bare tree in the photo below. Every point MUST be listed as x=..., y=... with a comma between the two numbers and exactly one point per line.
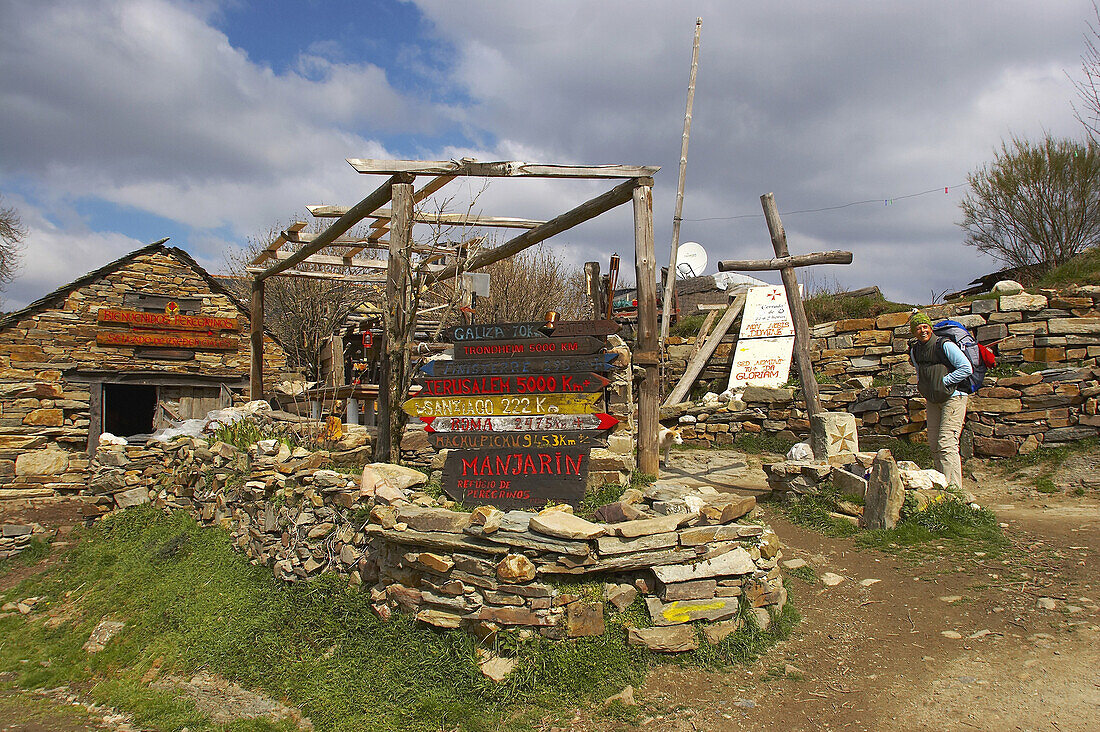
x=526, y=286
x=1088, y=87
x=12, y=234
x=1036, y=203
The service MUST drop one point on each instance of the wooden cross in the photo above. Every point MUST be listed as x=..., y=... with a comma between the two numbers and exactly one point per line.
x=786, y=264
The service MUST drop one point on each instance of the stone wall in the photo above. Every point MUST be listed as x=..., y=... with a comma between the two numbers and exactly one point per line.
x=45, y=408
x=865, y=366
x=695, y=554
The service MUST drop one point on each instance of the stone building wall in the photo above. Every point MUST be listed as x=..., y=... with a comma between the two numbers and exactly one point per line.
x=45, y=405
x=865, y=370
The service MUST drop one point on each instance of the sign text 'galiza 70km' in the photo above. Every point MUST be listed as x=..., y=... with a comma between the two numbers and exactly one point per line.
x=503, y=405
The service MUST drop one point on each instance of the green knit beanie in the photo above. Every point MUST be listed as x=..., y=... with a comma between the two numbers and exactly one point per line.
x=917, y=318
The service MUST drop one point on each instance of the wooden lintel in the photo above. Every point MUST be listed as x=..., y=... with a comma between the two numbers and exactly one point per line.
x=443, y=219
x=592, y=208
x=346, y=261
x=331, y=276
x=356, y=241
x=501, y=169
x=800, y=260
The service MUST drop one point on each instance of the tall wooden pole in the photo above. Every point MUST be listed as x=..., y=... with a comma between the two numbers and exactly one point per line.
x=395, y=356
x=798, y=313
x=646, y=354
x=670, y=280
x=592, y=288
x=256, y=341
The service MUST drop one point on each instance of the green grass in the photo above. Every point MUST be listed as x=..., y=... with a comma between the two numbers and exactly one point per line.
x=761, y=442
x=1084, y=269
x=812, y=511
x=190, y=600
x=805, y=573
x=948, y=523
x=827, y=306
x=601, y=496
x=1053, y=457
x=916, y=452
x=1046, y=485
x=35, y=550
x=687, y=327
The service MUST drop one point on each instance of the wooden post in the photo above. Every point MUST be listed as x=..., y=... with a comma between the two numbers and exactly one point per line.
x=798, y=313
x=592, y=287
x=646, y=343
x=670, y=278
x=698, y=361
x=256, y=341
x=394, y=355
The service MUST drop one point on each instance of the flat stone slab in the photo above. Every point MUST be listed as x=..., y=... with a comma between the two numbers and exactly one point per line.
x=737, y=561
x=664, y=640
x=433, y=519
x=678, y=612
x=646, y=527
x=617, y=545
x=561, y=525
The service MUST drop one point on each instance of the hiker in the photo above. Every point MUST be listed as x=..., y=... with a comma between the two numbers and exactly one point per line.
x=941, y=366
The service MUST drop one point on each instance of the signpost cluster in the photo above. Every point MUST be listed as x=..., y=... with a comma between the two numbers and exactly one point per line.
x=519, y=409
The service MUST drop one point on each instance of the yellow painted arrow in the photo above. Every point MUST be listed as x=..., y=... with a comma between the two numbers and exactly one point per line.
x=674, y=613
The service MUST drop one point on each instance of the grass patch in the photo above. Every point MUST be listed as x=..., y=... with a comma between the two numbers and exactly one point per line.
x=915, y=452
x=1046, y=484
x=601, y=496
x=949, y=523
x=1084, y=269
x=812, y=511
x=1052, y=457
x=834, y=304
x=191, y=601
x=687, y=327
x=805, y=573
x=755, y=444
x=36, y=550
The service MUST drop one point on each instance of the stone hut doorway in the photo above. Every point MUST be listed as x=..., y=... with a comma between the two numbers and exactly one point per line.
x=129, y=409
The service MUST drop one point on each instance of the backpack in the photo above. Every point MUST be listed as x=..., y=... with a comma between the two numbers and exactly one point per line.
x=981, y=358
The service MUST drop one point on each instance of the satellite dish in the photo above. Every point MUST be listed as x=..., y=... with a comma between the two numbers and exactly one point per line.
x=691, y=259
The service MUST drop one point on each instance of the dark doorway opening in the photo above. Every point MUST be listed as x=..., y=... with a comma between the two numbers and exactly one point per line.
x=128, y=409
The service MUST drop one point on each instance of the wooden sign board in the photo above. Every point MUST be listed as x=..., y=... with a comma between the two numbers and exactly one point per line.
x=516, y=440
x=577, y=346
x=164, y=321
x=514, y=384
x=574, y=328
x=557, y=364
x=516, y=478
x=767, y=314
x=164, y=340
x=503, y=405
x=534, y=423
x=761, y=362
x=491, y=332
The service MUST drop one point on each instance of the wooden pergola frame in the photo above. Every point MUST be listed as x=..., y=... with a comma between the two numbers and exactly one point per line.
x=398, y=220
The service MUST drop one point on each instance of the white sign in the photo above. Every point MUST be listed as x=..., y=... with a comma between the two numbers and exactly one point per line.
x=766, y=341
x=761, y=362
x=766, y=313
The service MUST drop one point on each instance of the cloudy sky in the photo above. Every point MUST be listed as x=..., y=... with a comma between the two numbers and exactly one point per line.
x=209, y=121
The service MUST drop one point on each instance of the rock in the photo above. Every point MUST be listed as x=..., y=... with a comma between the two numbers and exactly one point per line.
x=794, y=563
x=624, y=697
x=1022, y=301
x=831, y=579
x=686, y=611
x=718, y=632
x=791, y=670
x=561, y=525
x=1007, y=287
x=645, y=527
x=132, y=497
x=833, y=434
x=584, y=619
x=1046, y=603
x=614, y=513
x=497, y=668
x=433, y=519
x=487, y=517
x=398, y=476
x=737, y=561
x=737, y=508
x=848, y=484
x=42, y=462
x=439, y=618
x=664, y=640
x=885, y=494
x=102, y=635
x=868, y=582
x=695, y=590
x=950, y=599
x=515, y=568
x=952, y=634
x=763, y=617
x=620, y=596
x=45, y=417
x=433, y=562
x=609, y=545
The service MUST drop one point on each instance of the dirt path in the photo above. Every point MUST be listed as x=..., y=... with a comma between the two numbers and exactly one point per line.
x=958, y=643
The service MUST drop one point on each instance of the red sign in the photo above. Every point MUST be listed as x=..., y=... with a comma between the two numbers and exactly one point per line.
x=164, y=340
x=515, y=384
x=577, y=346
x=139, y=319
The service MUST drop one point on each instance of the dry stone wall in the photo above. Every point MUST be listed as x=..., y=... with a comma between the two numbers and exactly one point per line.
x=695, y=554
x=866, y=365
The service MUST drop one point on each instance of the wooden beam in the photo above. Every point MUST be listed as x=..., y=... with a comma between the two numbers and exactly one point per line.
x=354, y=241
x=355, y=214
x=394, y=354
x=256, y=341
x=698, y=362
x=785, y=262
x=704, y=329
x=798, y=313
x=618, y=195
x=345, y=261
x=331, y=276
x=646, y=353
x=446, y=219
x=378, y=228
x=670, y=279
x=503, y=169
x=592, y=287
x=278, y=242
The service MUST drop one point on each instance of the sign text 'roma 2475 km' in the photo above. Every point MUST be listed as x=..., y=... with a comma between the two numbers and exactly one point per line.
x=518, y=409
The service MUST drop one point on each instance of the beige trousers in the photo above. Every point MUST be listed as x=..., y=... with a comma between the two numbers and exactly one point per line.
x=945, y=423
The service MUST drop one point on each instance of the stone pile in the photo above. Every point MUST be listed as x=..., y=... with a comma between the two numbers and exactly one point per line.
x=14, y=538
x=693, y=553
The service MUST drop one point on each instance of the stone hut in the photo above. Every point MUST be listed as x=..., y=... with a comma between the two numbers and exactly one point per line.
x=123, y=349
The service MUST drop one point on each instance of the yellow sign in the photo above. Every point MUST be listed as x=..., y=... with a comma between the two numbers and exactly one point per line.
x=503, y=405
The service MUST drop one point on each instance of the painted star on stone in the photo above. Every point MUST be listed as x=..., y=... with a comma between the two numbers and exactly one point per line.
x=843, y=440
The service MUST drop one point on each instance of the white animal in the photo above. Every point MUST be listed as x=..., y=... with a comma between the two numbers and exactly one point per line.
x=666, y=438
